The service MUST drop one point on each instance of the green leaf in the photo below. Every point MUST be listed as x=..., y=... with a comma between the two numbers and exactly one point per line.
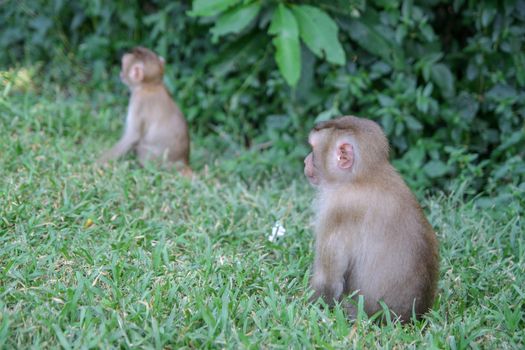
x=466, y=105
x=519, y=64
x=443, y=78
x=413, y=123
x=501, y=92
x=328, y=114
x=406, y=10
x=284, y=27
x=369, y=39
x=238, y=52
x=386, y=101
x=435, y=168
x=283, y=22
x=508, y=142
x=319, y=32
x=235, y=20
x=207, y=8
x=487, y=15
x=387, y=121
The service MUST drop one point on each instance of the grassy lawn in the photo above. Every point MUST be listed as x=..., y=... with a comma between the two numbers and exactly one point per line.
x=131, y=257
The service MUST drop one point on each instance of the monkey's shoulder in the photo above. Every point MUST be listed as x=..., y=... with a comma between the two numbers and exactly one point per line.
x=160, y=106
x=357, y=203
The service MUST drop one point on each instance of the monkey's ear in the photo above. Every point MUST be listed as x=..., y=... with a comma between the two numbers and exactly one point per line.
x=345, y=156
x=136, y=73
x=162, y=61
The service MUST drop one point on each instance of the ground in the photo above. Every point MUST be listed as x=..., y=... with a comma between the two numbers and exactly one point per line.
x=131, y=257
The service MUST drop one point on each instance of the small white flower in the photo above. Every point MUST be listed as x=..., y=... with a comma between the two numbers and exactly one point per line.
x=278, y=230
x=222, y=260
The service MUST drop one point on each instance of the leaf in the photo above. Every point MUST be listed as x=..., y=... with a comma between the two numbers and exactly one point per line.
x=284, y=27
x=519, y=64
x=509, y=141
x=487, y=15
x=466, y=105
x=305, y=87
x=472, y=70
x=207, y=8
x=328, y=114
x=406, y=9
x=235, y=20
x=379, y=69
x=401, y=33
x=427, y=32
x=319, y=33
x=283, y=22
x=444, y=79
x=413, y=123
x=435, y=168
x=387, y=121
x=501, y=92
x=369, y=39
x=386, y=101
x=238, y=52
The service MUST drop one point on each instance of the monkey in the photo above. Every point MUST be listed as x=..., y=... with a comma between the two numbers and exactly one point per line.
x=155, y=129
x=371, y=235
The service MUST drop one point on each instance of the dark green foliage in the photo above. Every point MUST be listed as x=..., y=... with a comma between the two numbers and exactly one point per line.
x=446, y=80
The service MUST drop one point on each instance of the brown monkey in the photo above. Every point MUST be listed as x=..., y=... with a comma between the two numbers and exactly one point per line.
x=371, y=234
x=155, y=127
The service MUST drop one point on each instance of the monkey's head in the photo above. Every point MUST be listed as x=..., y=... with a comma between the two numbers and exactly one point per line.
x=345, y=149
x=141, y=66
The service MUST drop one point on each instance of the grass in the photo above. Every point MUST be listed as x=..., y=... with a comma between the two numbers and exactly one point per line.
x=130, y=257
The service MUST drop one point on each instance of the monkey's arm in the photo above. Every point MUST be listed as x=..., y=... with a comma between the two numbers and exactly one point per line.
x=330, y=267
x=129, y=139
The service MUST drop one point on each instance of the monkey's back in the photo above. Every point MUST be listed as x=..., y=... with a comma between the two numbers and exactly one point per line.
x=394, y=252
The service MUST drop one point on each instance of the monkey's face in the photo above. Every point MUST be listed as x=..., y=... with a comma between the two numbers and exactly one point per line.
x=332, y=157
x=137, y=70
x=127, y=61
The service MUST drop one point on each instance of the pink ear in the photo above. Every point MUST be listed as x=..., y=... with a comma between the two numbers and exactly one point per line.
x=136, y=72
x=345, y=156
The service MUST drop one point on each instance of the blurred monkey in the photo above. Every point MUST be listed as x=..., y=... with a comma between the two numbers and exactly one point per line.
x=155, y=127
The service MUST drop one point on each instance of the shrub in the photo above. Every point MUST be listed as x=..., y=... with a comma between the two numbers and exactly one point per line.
x=444, y=79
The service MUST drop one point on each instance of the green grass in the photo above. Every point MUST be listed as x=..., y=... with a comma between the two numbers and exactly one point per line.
x=173, y=263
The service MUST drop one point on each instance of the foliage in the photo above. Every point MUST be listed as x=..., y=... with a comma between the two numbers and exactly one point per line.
x=314, y=26
x=445, y=79
x=407, y=73
x=130, y=257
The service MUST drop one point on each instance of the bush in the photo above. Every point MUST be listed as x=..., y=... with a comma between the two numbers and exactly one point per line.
x=444, y=79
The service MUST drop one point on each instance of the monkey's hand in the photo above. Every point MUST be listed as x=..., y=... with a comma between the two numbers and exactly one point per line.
x=103, y=160
x=329, y=292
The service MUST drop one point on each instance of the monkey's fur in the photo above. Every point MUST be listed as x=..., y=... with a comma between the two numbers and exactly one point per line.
x=371, y=235
x=155, y=127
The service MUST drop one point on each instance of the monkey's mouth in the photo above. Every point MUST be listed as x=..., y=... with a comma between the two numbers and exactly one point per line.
x=312, y=179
